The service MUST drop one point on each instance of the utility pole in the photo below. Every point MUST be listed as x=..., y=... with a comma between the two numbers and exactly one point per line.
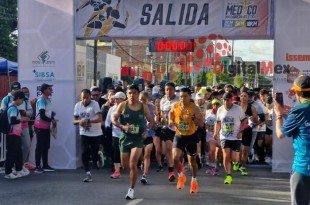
x=95, y=62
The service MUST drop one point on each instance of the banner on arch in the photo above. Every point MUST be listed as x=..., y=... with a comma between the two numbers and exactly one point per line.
x=176, y=18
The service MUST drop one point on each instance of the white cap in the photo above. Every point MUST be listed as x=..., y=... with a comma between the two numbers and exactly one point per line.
x=200, y=95
x=120, y=95
x=92, y=87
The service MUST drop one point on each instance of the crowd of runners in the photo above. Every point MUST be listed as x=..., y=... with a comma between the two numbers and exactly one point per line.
x=176, y=127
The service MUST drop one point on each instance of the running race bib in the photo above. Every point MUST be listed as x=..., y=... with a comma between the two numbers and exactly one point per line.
x=134, y=129
x=183, y=127
x=228, y=129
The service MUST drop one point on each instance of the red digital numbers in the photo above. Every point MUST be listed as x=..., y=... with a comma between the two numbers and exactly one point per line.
x=172, y=45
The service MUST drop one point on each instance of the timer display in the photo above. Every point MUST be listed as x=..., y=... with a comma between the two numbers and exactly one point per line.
x=171, y=45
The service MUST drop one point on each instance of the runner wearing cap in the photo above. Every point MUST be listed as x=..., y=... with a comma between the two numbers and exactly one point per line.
x=213, y=145
x=229, y=128
x=201, y=131
x=119, y=97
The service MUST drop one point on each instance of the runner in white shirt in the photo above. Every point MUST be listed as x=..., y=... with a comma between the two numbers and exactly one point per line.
x=214, y=145
x=229, y=128
x=87, y=115
x=116, y=134
x=168, y=131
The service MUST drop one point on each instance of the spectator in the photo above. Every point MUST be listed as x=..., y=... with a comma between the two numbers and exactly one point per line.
x=297, y=126
x=42, y=124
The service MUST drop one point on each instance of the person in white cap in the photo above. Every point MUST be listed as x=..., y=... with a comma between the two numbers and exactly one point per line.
x=201, y=131
x=116, y=134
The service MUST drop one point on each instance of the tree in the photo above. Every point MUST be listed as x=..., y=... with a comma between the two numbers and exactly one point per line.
x=201, y=78
x=180, y=81
x=222, y=78
x=8, y=28
x=238, y=81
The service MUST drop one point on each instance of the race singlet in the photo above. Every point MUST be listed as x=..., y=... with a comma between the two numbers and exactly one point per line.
x=184, y=119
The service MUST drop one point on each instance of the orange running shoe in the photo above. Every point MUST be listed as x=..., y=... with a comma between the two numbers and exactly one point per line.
x=194, y=187
x=171, y=176
x=181, y=182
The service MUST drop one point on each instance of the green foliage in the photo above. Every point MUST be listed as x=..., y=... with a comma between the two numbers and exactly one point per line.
x=210, y=78
x=180, y=81
x=8, y=25
x=222, y=78
x=201, y=78
x=238, y=81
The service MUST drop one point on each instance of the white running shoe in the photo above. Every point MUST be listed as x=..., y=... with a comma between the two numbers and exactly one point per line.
x=12, y=176
x=130, y=194
x=88, y=178
x=143, y=179
x=25, y=170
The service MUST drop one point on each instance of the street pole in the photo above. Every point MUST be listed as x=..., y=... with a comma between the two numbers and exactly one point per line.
x=167, y=65
x=214, y=75
x=95, y=62
x=153, y=71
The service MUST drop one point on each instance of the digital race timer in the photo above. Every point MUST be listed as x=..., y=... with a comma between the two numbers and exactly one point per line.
x=171, y=45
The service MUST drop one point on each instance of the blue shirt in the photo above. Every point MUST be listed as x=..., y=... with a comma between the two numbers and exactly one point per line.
x=297, y=125
x=151, y=133
x=6, y=101
x=17, y=128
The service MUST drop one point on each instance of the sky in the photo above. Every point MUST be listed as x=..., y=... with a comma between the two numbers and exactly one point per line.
x=254, y=50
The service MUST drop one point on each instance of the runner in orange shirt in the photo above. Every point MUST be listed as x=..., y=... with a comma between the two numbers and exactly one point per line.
x=186, y=117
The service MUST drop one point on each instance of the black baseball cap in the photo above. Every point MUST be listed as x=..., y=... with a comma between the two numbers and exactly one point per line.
x=15, y=86
x=302, y=83
x=227, y=96
x=44, y=86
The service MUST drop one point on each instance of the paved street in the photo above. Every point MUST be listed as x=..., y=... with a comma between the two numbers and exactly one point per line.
x=261, y=187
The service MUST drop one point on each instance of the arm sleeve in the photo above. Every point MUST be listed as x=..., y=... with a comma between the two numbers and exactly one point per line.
x=43, y=116
x=14, y=120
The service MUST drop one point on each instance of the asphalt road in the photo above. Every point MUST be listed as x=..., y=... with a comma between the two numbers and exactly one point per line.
x=261, y=187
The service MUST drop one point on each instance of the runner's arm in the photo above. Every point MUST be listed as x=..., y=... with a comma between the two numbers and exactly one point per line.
x=171, y=117
x=97, y=118
x=148, y=117
x=117, y=114
x=217, y=127
x=198, y=118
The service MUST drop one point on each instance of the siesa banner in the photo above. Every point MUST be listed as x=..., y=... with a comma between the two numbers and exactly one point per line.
x=46, y=54
x=233, y=19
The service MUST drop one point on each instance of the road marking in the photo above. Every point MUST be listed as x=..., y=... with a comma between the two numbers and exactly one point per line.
x=135, y=201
